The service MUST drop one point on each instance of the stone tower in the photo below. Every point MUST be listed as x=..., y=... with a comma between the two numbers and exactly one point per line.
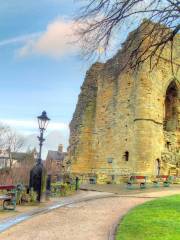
x=127, y=121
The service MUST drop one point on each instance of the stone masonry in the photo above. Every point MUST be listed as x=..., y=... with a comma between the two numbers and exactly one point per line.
x=127, y=121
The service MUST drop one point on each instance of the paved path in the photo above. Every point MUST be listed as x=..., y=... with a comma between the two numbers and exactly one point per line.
x=8, y=222
x=86, y=220
x=122, y=188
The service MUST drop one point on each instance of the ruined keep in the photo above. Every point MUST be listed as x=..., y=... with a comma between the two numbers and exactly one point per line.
x=127, y=121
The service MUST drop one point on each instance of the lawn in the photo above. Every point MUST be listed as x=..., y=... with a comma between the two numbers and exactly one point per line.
x=155, y=220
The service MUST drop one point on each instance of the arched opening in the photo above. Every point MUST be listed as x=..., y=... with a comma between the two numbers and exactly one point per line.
x=171, y=104
x=158, y=167
x=126, y=156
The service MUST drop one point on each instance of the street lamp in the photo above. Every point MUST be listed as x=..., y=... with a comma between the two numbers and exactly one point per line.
x=36, y=173
x=43, y=121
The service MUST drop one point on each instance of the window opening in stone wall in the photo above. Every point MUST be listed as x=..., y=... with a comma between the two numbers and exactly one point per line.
x=113, y=177
x=110, y=160
x=171, y=104
x=158, y=167
x=126, y=156
x=168, y=145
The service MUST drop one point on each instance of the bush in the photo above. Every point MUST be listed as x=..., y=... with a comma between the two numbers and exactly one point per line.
x=29, y=198
x=62, y=189
x=24, y=197
x=32, y=196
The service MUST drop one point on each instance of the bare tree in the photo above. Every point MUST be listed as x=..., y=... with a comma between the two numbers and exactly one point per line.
x=101, y=20
x=3, y=133
x=14, y=142
x=20, y=172
x=10, y=141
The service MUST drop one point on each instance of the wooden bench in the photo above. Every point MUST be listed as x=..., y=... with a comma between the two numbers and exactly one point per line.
x=164, y=179
x=137, y=180
x=9, y=198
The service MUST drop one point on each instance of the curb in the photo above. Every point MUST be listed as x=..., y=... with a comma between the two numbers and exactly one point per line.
x=113, y=230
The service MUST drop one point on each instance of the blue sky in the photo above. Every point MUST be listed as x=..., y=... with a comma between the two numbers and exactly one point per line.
x=39, y=66
x=38, y=71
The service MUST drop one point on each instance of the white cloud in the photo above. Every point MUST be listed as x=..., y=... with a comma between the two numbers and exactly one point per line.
x=30, y=126
x=57, y=133
x=52, y=140
x=57, y=41
x=19, y=39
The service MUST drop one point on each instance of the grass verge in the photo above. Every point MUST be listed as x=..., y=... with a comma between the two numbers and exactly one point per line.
x=155, y=220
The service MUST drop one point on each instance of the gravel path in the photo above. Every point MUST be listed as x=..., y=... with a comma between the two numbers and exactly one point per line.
x=89, y=220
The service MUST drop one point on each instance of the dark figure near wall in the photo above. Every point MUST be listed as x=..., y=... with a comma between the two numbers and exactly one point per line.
x=77, y=183
x=36, y=180
x=48, y=183
x=48, y=187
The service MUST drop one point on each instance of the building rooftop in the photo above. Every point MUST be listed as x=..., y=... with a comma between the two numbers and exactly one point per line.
x=56, y=155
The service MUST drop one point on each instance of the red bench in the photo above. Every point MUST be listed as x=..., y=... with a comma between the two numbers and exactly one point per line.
x=165, y=179
x=141, y=180
x=9, y=198
x=7, y=187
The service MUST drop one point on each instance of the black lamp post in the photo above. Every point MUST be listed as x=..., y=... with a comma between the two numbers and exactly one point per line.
x=37, y=171
x=43, y=121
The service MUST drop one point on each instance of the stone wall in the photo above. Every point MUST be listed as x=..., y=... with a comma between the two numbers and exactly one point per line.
x=118, y=126
x=81, y=127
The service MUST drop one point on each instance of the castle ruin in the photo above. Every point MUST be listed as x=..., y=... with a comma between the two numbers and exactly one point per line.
x=127, y=121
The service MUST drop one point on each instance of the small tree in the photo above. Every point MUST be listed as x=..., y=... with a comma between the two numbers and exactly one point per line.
x=14, y=142
x=10, y=141
x=21, y=171
x=3, y=133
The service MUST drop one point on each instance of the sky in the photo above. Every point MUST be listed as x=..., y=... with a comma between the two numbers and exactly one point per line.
x=39, y=66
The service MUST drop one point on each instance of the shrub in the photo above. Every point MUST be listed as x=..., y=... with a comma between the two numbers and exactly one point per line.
x=32, y=196
x=62, y=189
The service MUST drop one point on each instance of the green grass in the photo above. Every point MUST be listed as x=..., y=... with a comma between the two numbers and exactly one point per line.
x=155, y=220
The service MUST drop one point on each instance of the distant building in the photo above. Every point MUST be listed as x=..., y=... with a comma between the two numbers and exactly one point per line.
x=55, y=163
x=13, y=159
x=3, y=159
x=18, y=158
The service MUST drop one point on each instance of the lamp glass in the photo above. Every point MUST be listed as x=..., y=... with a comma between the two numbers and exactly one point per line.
x=43, y=121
